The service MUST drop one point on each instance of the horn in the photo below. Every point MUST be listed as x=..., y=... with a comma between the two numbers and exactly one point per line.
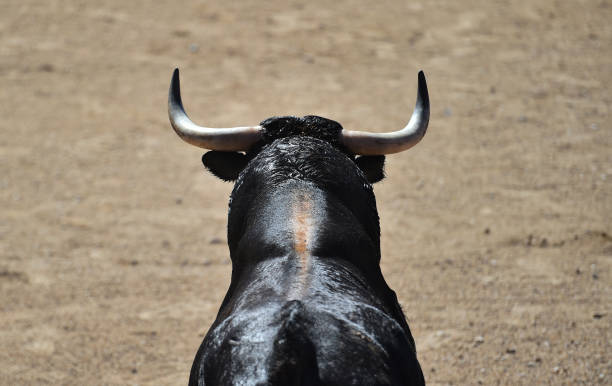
x=225, y=139
x=365, y=143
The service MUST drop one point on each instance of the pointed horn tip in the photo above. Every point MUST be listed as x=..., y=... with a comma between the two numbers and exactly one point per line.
x=423, y=93
x=174, y=94
x=422, y=81
x=175, y=82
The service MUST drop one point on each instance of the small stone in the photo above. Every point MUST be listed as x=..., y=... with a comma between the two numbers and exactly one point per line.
x=479, y=340
x=487, y=231
x=308, y=59
x=598, y=315
x=180, y=33
x=46, y=67
x=511, y=350
x=193, y=48
x=531, y=364
x=556, y=369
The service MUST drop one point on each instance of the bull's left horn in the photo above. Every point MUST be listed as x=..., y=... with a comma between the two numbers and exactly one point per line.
x=361, y=142
x=223, y=139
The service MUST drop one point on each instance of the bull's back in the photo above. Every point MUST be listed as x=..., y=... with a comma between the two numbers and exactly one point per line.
x=306, y=342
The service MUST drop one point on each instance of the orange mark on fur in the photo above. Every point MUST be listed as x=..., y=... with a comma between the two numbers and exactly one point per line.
x=302, y=227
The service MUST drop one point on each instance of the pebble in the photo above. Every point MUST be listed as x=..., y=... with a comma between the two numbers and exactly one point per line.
x=479, y=340
x=594, y=273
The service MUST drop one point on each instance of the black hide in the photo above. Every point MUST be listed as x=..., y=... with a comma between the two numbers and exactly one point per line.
x=227, y=165
x=307, y=303
x=373, y=166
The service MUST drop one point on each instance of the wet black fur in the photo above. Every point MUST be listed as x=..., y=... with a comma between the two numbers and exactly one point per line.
x=227, y=165
x=347, y=327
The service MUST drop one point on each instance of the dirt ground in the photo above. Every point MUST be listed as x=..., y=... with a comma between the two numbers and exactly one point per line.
x=496, y=228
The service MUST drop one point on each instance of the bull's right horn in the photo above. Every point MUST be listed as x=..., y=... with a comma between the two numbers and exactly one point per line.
x=365, y=143
x=225, y=139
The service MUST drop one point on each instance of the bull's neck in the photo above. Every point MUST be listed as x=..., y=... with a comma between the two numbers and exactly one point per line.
x=284, y=237
x=298, y=220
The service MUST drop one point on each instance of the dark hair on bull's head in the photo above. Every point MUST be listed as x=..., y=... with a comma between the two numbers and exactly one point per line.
x=228, y=165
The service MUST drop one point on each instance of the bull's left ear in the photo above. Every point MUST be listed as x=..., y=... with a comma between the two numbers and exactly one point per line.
x=373, y=166
x=226, y=165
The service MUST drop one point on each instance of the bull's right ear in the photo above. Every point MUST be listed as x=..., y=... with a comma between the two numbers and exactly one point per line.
x=373, y=166
x=226, y=165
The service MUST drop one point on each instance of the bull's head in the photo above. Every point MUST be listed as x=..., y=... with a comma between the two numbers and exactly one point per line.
x=225, y=160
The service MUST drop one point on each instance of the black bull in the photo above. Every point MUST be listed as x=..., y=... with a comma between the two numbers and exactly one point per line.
x=307, y=302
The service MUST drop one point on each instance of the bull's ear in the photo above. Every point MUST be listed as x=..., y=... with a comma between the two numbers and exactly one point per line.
x=226, y=165
x=373, y=166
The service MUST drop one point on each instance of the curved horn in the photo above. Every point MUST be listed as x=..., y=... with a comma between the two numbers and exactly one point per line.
x=361, y=142
x=226, y=139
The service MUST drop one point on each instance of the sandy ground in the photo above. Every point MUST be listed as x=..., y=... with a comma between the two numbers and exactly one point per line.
x=497, y=230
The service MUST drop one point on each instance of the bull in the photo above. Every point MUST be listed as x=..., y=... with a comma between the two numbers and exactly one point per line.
x=307, y=302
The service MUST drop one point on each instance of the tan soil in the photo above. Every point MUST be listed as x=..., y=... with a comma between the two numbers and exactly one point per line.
x=496, y=228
